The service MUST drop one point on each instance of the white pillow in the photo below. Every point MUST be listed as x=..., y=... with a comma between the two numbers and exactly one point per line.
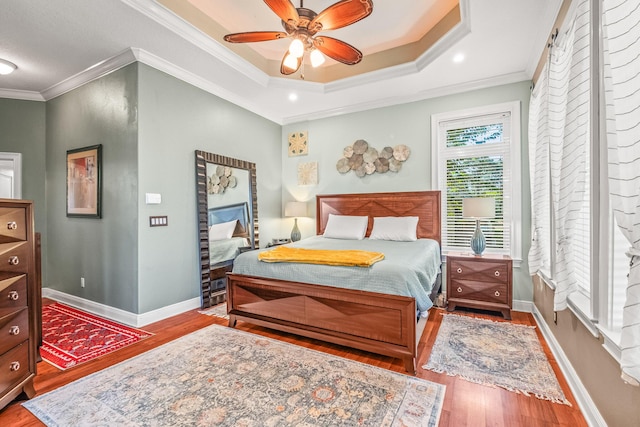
x=222, y=231
x=346, y=227
x=398, y=228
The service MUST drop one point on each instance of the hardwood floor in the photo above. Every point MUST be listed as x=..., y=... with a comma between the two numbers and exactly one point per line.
x=465, y=404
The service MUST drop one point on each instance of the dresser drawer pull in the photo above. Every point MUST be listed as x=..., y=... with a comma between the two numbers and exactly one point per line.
x=13, y=295
x=15, y=366
x=14, y=260
x=497, y=293
x=459, y=270
x=12, y=225
x=497, y=273
x=14, y=330
x=459, y=289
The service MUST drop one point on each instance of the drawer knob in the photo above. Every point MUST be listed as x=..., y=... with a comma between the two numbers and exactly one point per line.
x=497, y=273
x=497, y=293
x=12, y=225
x=459, y=270
x=15, y=366
x=14, y=260
x=13, y=295
x=14, y=330
x=459, y=289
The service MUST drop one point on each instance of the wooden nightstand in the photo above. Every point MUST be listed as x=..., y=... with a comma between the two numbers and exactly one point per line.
x=483, y=282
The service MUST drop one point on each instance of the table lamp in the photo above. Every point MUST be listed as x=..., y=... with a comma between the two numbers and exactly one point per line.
x=295, y=209
x=478, y=208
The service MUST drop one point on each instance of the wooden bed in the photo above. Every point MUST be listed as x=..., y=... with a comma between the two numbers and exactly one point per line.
x=379, y=323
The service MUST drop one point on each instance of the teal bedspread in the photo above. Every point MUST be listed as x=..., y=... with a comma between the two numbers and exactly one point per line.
x=409, y=268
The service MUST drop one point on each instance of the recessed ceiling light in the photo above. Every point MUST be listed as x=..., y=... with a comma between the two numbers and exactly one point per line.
x=7, y=67
x=458, y=58
x=293, y=97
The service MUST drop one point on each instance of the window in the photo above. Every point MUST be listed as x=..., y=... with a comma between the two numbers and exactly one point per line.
x=474, y=153
x=570, y=98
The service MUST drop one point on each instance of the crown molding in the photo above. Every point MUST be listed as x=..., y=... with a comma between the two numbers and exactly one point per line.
x=405, y=99
x=94, y=72
x=25, y=95
x=174, y=23
x=201, y=83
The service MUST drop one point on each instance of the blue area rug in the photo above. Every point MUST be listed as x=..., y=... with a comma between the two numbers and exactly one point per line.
x=496, y=354
x=225, y=377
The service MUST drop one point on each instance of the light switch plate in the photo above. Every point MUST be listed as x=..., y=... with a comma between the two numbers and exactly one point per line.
x=153, y=198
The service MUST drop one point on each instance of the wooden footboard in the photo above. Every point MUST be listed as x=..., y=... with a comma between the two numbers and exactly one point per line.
x=379, y=323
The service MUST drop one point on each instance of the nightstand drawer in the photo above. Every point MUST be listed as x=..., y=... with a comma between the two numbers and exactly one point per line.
x=479, y=291
x=485, y=271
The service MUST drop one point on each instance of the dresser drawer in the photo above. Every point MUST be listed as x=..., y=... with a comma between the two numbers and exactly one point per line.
x=14, y=329
x=12, y=225
x=485, y=271
x=14, y=366
x=14, y=257
x=479, y=291
x=13, y=292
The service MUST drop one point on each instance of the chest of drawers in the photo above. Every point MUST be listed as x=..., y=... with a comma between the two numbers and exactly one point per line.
x=18, y=300
x=483, y=282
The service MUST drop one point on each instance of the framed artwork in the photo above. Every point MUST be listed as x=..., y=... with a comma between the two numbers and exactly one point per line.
x=84, y=182
x=298, y=144
x=308, y=173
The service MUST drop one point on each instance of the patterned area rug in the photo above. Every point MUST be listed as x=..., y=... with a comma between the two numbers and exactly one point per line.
x=494, y=353
x=225, y=377
x=219, y=310
x=71, y=336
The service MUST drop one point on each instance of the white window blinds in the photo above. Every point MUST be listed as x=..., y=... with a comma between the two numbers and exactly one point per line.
x=474, y=155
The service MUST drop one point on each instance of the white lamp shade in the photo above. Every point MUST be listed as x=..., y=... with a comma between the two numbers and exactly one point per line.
x=295, y=209
x=317, y=58
x=296, y=48
x=479, y=207
x=291, y=62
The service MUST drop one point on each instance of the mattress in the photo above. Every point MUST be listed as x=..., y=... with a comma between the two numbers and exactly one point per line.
x=227, y=249
x=408, y=269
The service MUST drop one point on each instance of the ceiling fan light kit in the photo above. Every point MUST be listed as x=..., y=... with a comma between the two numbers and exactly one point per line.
x=303, y=26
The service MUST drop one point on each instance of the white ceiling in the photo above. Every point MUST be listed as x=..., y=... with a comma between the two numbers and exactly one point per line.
x=60, y=44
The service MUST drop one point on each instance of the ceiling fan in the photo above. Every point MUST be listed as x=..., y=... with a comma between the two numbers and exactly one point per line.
x=303, y=25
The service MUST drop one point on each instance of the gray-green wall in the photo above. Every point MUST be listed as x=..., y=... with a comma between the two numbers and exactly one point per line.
x=150, y=125
x=175, y=119
x=22, y=130
x=103, y=251
x=408, y=124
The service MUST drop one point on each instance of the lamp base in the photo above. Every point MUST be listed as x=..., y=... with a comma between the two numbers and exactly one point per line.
x=295, y=233
x=478, y=242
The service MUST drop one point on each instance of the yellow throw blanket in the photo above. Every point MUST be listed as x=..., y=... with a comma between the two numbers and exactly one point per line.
x=351, y=258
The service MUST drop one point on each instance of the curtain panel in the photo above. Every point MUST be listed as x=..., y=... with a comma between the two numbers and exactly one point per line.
x=560, y=129
x=621, y=54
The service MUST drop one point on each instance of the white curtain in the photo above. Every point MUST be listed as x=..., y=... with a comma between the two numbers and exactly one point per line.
x=562, y=130
x=621, y=33
x=540, y=253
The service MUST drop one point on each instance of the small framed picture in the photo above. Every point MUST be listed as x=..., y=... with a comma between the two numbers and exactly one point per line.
x=84, y=182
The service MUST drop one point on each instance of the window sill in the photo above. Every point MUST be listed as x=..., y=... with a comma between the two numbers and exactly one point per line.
x=611, y=342
x=581, y=306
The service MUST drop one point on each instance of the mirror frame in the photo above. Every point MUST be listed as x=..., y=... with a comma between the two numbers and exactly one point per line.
x=202, y=159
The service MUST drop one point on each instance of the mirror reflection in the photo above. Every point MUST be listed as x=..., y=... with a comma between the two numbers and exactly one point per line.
x=228, y=197
x=227, y=218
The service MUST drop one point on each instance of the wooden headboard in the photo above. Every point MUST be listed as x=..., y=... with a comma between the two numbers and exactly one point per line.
x=423, y=204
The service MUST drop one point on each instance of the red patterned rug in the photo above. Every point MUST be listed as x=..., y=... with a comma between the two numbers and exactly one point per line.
x=71, y=336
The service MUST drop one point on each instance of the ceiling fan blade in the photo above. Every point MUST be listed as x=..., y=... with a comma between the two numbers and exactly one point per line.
x=338, y=50
x=284, y=9
x=286, y=70
x=341, y=14
x=255, y=36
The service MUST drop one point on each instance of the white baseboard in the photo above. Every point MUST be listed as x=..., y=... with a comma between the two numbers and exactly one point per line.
x=588, y=408
x=524, y=306
x=118, y=315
